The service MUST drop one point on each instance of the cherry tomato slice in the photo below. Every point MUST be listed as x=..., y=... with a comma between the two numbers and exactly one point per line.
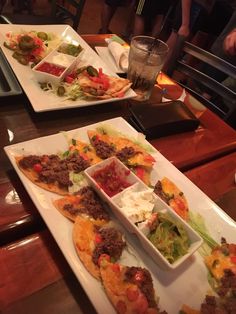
x=139, y=172
x=116, y=268
x=37, y=167
x=132, y=293
x=233, y=259
x=98, y=238
x=121, y=307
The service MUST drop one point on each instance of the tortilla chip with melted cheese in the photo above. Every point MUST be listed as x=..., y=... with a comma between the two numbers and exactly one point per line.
x=141, y=157
x=117, y=87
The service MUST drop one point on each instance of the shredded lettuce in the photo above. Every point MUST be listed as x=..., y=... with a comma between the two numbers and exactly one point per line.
x=79, y=181
x=170, y=238
x=196, y=221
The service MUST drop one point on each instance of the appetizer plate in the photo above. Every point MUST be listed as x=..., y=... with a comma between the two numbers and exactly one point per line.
x=131, y=181
x=191, y=276
x=41, y=100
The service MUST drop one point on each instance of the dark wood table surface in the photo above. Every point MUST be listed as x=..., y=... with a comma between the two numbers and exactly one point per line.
x=27, y=247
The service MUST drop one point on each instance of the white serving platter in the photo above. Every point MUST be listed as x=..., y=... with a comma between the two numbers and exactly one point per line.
x=40, y=100
x=184, y=285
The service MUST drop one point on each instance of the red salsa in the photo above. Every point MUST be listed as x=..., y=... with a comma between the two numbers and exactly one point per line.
x=50, y=68
x=111, y=180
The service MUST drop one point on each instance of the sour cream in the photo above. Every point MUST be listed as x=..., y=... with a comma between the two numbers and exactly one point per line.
x=62, y=59
x=137, y=205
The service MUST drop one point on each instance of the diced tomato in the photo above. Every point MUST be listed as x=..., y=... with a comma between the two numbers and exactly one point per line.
x=139, y=171
x=180, y=203
x=37, y=167
x=95, y=79
x=179, y=207
x=132, y=293
x=138, y=276
x=69, y=79
x=149, y=158
x=116, y=268
x=152, y=219
x=121, y=307
x=233, y=259
x=232, y=248
x=98, y=238
x=100, y=73
x=142, y=304
x=105, y=84
x=103, y=257
x=101, y=79
x=84, y=156
x=120, y=94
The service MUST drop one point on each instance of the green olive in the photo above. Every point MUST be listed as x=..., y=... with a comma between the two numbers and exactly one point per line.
x=43, y=85
x=92, y=71
x=42, y=35
x=26, y=43
x=80, y=70
x=8, y=46
x=20, y=58
x=61, y=91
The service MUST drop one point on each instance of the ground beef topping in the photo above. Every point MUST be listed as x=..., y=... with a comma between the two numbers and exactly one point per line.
x=227, y=284
x=125, y=153
x=90, y=205
x=71, y=209
x=103, y=150
x=226, y=302
x=76, y=163
x=111, y=243
x=29, y=161
x=53, y=169
x=142, y=278
x=159, y=191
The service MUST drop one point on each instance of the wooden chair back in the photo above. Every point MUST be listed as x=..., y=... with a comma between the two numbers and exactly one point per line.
x=200, y=80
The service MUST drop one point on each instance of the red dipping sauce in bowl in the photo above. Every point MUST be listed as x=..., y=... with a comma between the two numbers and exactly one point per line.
x=111, y=180
x=50, y=68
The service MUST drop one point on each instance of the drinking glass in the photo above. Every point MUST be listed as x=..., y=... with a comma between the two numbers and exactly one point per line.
x=146, y=59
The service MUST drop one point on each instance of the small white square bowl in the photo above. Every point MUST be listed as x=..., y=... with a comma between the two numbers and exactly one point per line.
x=121, y=170
x=159, y=205
x=58, y=59
x=45, y=77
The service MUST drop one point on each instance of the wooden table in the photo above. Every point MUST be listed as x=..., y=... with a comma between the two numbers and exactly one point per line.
x=217, y=179
x=23, y=234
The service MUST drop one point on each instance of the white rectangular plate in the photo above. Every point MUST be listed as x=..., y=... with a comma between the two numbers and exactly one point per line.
x=187, y=284
x=40, y=100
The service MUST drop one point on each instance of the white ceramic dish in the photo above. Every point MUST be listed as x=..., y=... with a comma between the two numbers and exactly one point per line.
x=186, y=284
x=56, y=59
x=40, y=100
x=135, y=183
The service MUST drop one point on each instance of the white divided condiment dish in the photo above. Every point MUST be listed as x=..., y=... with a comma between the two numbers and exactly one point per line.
x=67, y=63
x=128, y=219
